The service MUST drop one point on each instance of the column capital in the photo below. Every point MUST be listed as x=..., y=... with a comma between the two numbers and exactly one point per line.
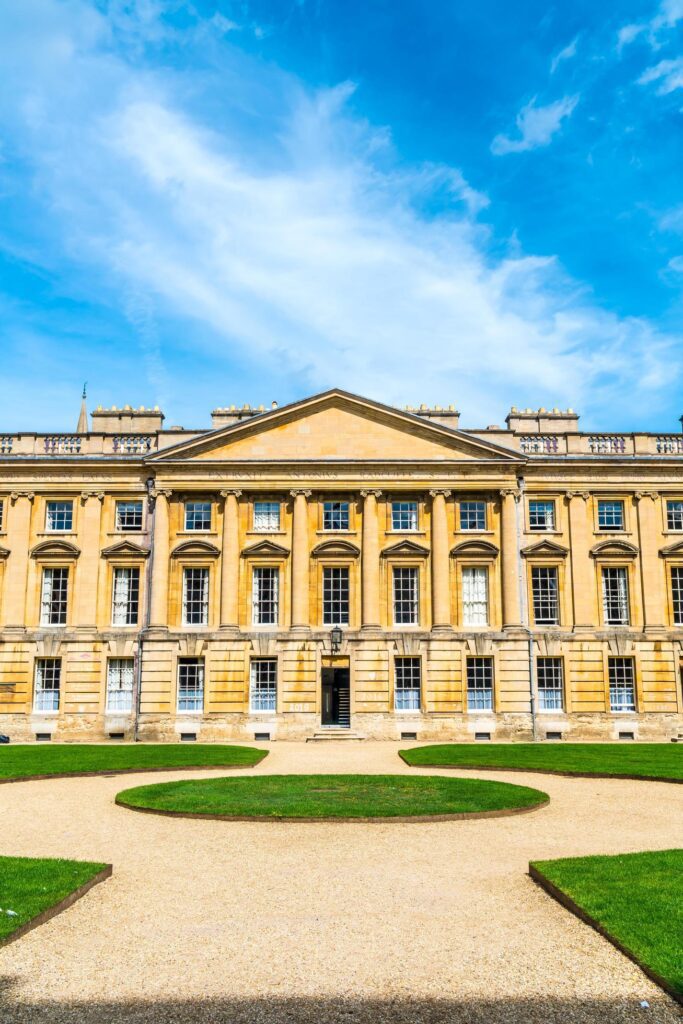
x=510, y=492
x=235, y=492
x=296, y=491
x=99, y=495
x=374, y=493
x=440, y=492
x=15, y=495
x=577, y=494
x=162, y=492
x=639, y=495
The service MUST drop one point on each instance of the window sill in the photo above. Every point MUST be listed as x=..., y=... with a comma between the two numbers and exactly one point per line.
x=266, y=533
x=127, y=533
x=57, y=533
x=409, y=533
x=196, y=533
x=612, y=533
x=544, y=533
x=340, y=533
x=477, y=533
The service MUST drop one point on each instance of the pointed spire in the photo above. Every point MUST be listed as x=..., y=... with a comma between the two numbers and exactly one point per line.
x=82, y=427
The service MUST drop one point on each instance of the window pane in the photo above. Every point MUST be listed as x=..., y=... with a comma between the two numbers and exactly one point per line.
x=610, y=515
x=472, y=515
x=47, y=683
x=266, y=516
x=404, y=515
x=406, y=599
x=265, y=587
x=54, y=597
x=335, y=515
x=677, y=594
x=191, y=684
x=541, y=515
x=196, y=597
x=475, y=596
x=198, y=515
x=674, y=515
x=407, y=690
x=128, y=515
x=615, y=596
x=544, y=592
x=263, y=689
x=336, y=596
x=549, y=681
x=120, y=677
x=126, y=597
x=621, y=685
x=59, y=515
x=480, y=684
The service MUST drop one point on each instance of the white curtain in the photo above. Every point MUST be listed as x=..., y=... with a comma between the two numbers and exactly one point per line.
x=475, y=596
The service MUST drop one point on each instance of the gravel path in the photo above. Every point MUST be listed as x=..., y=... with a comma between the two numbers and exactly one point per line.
x=245, y=922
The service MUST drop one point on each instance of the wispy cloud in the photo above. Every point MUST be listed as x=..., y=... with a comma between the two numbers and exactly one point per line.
x=566, y=53
x=536, y=126
x=287, y=232
x=669, y=13
x=668, y=73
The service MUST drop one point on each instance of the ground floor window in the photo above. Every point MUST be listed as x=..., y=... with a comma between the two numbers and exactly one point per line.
x=407, y=690
x=263, y=689
x=191, y=684
x=622, y=690
x=120, y=676
x=550, y=684
x=480, y=684
x=47, y=684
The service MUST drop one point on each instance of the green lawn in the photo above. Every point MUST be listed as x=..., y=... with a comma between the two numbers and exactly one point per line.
x=637, y=898
x=330, y=796
x=70, y=759
x=29, y=886
x=657, y=760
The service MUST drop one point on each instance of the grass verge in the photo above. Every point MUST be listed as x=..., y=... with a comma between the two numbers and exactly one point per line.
x=38, y=761
x=634, y=899
x=32, y=890
x=315, y=797
x=658, y=761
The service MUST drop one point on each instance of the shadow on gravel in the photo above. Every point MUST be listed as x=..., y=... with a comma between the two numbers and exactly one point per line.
x=337, y=1011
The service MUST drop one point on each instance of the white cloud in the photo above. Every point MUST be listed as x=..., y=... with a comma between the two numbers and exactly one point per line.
x=669, y=13
x=669, y=74
x=567, y=53
x=304, y=243
x=536, y=126
x=672, y=220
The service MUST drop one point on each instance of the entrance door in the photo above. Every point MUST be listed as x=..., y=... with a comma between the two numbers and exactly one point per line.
x=336, y=702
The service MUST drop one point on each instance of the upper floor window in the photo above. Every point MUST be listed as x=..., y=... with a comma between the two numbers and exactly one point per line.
x=335, y=596
x=335, y=515
x=48, y=680
x=475, y=597
x=265, y=596
x=404, y=515
x=406, y=596
x=120, y=678
x=674, y=515
x=128, y=516
x=615, y=603
x=190, y=684
x=59, y=516
x=54, y=597
x=198, y=515
x=677, y=594
x=549, y=677
x=610, y=515
x=266, y=516
x=126, y=596
x=622, y=689
x=407, y=689
x=480, y=684
x=544, y=594
x=473, y=515
x=195, y=597
x=541, y=515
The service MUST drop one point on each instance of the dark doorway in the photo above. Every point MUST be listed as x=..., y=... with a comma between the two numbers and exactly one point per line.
x=336, y=702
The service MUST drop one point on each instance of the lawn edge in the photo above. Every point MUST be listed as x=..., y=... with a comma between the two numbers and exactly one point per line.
x=575, y=908
x=543, y=771
x=57, y=908
x=130, y=771
x=503, y=812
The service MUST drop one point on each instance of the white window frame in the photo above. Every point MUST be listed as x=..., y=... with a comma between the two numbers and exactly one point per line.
x=405, y=510
x=191, y=574
x=619, y=686
x=480, y=698
x=476, y=508
x=266, y=516
x=623, y=598
x=475, y=595
x=407, y=692
x=336, y=596
x=545, y=594
x=263, y=692
x=190, y=699
x=120, y=685
x=400, y=573
x=550, y=698
x=545, y=522
x=335, y=511
x=259, y=600
x=46, y=699
x=56, y=509
x=125, y=605
x=48, y=602
x=124, y=505
x=191, y=510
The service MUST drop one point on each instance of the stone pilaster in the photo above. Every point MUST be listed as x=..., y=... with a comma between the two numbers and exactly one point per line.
x=87, y=570
x=370, y=561
x=159, y=597
x=300, y=561
x=230, y=560
x=510, y=558
x=13, y=608
x=651, y=569
x=583, y=578
x=441, y=602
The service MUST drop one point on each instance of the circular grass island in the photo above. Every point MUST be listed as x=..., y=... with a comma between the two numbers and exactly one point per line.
x=333, y=798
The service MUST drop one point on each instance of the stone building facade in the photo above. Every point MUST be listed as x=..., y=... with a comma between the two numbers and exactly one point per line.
x=337, y=564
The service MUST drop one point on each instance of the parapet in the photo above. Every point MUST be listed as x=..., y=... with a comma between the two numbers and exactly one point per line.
x=127, y=420
x=446, y=417
x=542, y=421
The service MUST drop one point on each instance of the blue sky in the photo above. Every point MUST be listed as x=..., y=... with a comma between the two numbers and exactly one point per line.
x=214, y=202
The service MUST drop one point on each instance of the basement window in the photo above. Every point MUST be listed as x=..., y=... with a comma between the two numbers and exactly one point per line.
x=627, y=735
x=264, y=736
x=553, y=735
x=116, y=735
x=188, y=737
x=482, y=736
x=408, y=735
x=43, y=737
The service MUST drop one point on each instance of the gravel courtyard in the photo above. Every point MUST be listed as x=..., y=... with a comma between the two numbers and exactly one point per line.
x=217, y=921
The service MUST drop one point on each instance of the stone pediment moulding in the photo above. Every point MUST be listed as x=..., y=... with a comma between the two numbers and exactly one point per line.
x=672, y=550
x=195, y=548
x=125, y=548
x=474, y=548
x=406, y=548
x=265, y=549
x=336, y=547
x=614, y=549
x=545, y=547
x=55, y=549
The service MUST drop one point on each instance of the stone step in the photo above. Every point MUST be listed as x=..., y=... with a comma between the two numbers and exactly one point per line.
x=334, y=734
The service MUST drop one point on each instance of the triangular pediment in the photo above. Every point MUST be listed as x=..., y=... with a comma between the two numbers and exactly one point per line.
x=545, y=548
x=195, y=549
x=614, y=549
x=125, y=549
x=265, y=549
x=336, y=426
x=55, y=549
x=475, y=549
x=331, y=548
x=405, y=548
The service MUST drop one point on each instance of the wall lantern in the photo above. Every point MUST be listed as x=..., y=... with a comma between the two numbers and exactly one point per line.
x=336, y=637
